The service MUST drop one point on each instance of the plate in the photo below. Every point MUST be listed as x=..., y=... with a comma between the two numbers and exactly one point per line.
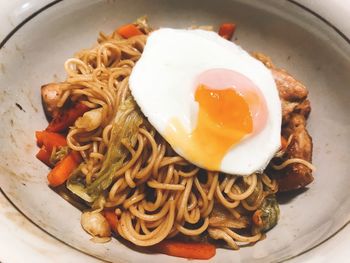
x=297, y=40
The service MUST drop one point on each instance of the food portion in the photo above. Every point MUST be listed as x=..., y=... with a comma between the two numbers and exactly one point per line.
x=197, y=92
x=296, y=170
x=176, y=140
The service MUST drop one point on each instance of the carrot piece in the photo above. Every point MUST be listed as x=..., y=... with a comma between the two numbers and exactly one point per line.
x=186, y=250
x=63, y=169
x=257, y=220
x=284, y=143
x=111, y=218
x=67, y=118
x=128, y=31
x=44, y=156
x=226, y=30
x=50, y=140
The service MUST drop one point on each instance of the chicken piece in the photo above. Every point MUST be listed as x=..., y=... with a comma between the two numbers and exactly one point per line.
x=95, y=224
x=289, y=88
x=51, y=95
x=296, y=175
x=287, y=109
x=303, y=108
x=264, y=59
x=221, y=217
x=291, y=92
x=295, y=110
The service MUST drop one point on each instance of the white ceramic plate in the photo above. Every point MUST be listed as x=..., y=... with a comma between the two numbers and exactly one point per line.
x=310, y=48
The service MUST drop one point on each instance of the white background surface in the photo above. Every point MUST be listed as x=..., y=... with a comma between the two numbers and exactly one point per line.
x=20, y=238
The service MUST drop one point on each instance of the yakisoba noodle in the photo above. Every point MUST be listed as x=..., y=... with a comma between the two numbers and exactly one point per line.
x=156, y=194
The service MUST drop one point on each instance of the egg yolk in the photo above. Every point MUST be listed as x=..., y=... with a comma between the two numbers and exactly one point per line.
x=231, y=107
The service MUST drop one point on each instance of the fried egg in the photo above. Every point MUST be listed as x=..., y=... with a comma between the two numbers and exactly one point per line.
x=217, y=106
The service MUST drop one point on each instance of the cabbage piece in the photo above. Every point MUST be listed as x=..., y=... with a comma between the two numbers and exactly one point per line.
x=125, y=128
x=58, y=153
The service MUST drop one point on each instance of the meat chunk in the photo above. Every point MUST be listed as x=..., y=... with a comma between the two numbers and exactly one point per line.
x=303, y=108
x=296, y=175
x=264, y=59
x=51, y=95
x=289, y=108
x=301, y=144
x=292, y=93
x=95, y=224
x=289, y=88
x=295, y=110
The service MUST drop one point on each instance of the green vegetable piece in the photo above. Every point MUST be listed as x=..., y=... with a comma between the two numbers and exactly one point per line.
x=266, y=217
x=125, y=129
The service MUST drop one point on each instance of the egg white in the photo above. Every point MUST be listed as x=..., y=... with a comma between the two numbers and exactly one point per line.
x=163, y=85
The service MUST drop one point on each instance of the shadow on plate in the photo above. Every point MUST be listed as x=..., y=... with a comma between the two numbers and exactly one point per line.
x=287, y=197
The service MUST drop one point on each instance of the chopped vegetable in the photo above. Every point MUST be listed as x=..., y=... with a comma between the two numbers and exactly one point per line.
x=186, y=250
x=125, y=129
x=44, y=156
x=112, y=219
x=267, y=215
x=90, y=120
x=66, y=118
x=221, y=217
x=61, y=172
x=128, y=31
x=58, y=154
x=50, y=140
x=226, y=30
